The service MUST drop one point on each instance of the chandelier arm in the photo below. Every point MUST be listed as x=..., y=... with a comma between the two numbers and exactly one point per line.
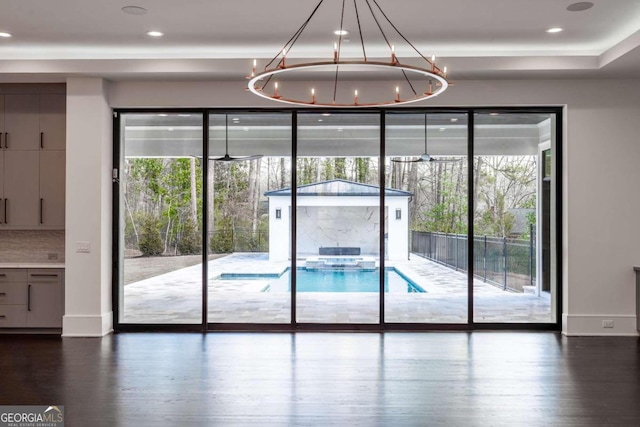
x=404, y=73
x=296, y=34
x=335, y=80
x=364, y=53
x=375, y=18
x=402, y=35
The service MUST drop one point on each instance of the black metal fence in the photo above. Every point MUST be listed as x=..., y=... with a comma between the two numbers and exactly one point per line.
x=507, y=263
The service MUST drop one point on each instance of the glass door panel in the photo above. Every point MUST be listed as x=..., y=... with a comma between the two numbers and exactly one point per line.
x=514, y=218
x=426, y=204
x=161, y=200
x=248, y=230
x=338, y=218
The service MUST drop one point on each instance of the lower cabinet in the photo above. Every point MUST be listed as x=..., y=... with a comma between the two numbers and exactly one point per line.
x=31, y=298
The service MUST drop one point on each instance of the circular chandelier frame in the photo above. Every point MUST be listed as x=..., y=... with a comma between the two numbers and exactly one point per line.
x=435, y=77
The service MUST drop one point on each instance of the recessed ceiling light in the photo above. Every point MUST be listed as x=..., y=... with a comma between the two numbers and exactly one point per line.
x=184, y=115
x=326, y=114
x=443, y=129
x=580, y=6
x=246, y=129
x=170, y=129
x=494, y=114
x=339, y=129
x=162, y=115
x=155, y=33
x=341, y=32
x=5, y=35
x=554, y=30
x=134, y=10
x=454, y=119
x=319, y=120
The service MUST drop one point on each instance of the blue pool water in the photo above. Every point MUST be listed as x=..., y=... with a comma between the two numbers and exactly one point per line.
x=334, y=281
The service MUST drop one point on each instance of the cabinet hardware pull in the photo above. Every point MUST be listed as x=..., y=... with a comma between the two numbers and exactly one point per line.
x=3, y=275
x=41, y=140
x=43, y=275
x=6, y=202
x=29, y=299
x=6, y=140
x=41, y=199
x=1, y=202
x=0, y=141
x=2, y=316
x=3, y=294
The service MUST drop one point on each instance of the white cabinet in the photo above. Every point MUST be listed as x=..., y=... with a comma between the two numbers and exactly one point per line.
x=32, y=160
x=31, y=298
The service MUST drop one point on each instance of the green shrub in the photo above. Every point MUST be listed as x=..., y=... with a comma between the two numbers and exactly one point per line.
x=190, y=243
x=150, y=239
x=221, y=242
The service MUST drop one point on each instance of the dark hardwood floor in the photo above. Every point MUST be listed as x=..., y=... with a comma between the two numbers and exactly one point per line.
x=326, y=379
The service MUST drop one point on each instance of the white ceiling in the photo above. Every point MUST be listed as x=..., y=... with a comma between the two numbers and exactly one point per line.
x=217, y=40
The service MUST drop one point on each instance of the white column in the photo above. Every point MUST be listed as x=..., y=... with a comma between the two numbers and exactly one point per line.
x=88, y=209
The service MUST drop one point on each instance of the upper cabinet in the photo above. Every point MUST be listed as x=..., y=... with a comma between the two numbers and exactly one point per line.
x=32, y=159
x=53, y=122
x=22, y=122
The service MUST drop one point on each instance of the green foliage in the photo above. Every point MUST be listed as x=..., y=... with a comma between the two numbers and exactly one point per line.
x=190, y=242
x=221, y=241
x=150, y=239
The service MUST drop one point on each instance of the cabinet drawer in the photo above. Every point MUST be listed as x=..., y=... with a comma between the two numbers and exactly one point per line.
x=13, y=293
x=13, y=316
x=44, y=275
x=12, y=275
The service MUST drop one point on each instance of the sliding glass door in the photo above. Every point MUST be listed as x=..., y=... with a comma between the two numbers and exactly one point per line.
x=249, y=217
x=338, y=218
x=514, y=218
x=426, y=157
x=160, y=224
x=240, y=219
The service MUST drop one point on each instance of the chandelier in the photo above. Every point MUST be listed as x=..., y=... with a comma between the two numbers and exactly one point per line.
x=411, y=82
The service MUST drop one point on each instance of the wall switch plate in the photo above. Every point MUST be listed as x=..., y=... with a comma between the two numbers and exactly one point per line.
x=607, y=323
x=83, y=247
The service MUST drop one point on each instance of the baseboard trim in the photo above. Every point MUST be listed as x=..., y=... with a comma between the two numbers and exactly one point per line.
x=87, y=326
x=574, y=325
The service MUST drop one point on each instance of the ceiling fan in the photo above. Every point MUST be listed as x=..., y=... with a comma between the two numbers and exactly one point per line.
x=425, y=157
x=227, y=157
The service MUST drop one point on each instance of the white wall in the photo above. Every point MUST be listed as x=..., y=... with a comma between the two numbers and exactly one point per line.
x=600, y=176
x=88, y=209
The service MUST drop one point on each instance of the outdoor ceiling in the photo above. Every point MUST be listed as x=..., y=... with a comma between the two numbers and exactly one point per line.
x=217, y=40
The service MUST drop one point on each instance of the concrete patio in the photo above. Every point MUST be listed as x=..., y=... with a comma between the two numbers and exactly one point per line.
x=175, y=298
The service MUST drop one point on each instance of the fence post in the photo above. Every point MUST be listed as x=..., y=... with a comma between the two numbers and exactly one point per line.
x=530, y=254
x=504, y=250
x=456, y=237
x=484, y=260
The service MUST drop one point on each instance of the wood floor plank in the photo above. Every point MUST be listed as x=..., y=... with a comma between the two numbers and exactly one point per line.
x=326, y=379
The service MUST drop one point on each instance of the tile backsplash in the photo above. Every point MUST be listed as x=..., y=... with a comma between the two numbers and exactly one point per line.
x=37, y=246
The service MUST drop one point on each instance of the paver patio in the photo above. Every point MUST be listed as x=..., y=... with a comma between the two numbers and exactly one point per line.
x=175, y=298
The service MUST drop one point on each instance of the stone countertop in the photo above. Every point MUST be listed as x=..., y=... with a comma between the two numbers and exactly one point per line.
x=31, y=265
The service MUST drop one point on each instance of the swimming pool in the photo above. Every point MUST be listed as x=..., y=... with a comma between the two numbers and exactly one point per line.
x=334, y=281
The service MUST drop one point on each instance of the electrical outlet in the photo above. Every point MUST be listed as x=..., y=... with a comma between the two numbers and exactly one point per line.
x=607, y=323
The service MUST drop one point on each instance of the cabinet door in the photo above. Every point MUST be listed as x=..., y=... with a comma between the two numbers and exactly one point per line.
x=53, y=123
x=21, y=184
x=22, y=122
x=44, y=299
x=2, y=121
x=1, y=185
x=52, y=192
